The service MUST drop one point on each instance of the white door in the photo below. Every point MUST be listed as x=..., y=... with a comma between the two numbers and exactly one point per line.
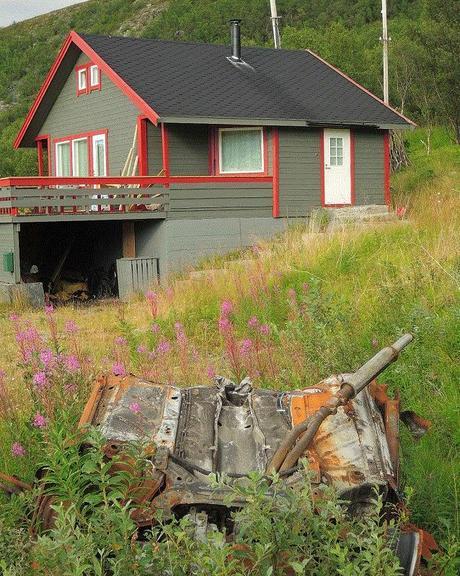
x=337, y=167
x=99, y=165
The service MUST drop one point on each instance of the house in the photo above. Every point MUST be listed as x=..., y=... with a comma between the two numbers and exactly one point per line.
x=154, y=153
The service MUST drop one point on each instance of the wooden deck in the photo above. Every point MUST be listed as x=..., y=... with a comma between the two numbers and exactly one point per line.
x=56, y=199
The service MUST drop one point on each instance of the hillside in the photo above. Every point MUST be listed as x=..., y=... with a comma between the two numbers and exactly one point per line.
x=326, y=302
x=424, y=52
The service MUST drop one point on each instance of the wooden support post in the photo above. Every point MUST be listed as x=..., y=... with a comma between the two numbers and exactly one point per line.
x=129, y=240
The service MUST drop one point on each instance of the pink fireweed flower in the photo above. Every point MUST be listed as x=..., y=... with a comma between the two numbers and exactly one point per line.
x=163, y=347
x=121, y=341
x=155, y=328
x=253, y=322
x=211, y=373
x=14, y=318
x=180, y=334
x=49, y=309
x=71, y=327
x=226, y=308
x=305, y=287
x=264, y=329
x=152, y=299
x=40, y=380
x=39, y=421
x=245, y=347
x=46, y=357
x=224, y=325
x=72, y=363
x=292, y=295
x=118, y=369
x=142, y=349
x=18, y=450
x=135, y=407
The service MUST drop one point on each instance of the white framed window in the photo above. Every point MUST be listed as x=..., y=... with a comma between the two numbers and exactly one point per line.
x=63, y=161
x=82, y=79
x=94, y=76
x=336, y=151
x=100, y=155
x=80, y=159
x=241, y=150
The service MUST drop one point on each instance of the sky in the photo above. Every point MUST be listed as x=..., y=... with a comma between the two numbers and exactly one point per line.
x=17, y=10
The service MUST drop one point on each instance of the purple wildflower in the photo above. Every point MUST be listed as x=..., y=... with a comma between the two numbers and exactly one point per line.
x=246, y=346
x=292, y=295
x=163, y=347
x=264, y=329
x=18, y=450
x=119, y=369
x=135, y=407
x=14, y=317
x=211, y=372
x=224, y=324
x=155, y=328
x=46, y=357
x=49, y=309
x=180, y=334
x=39, y=421
x=226, y=308
x=40, y=380
x=142, y=349
x=121, y=341
x=72, y=363
x=71, y=327
x=253, y=322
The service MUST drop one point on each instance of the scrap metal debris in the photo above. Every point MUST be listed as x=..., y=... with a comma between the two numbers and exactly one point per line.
x=346, y=427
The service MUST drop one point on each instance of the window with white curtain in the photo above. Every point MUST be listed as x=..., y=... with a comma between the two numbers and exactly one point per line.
x=94, y=75
x=63, y=167
x=82, y=79
x=80, y=157
x=241, y=150
x=99, y=155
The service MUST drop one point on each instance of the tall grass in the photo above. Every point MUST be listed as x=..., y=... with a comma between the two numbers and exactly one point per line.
x=293, y=311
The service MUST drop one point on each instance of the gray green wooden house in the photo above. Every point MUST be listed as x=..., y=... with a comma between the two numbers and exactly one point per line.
x=154, y=154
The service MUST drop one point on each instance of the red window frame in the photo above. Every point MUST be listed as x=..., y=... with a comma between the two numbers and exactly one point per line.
x=89, y=86
x=214, y=143
x=89, y=138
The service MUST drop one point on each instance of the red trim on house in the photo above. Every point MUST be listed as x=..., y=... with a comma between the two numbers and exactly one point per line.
x=217, y=154
x=386, y=167
x=142, y=146
x=361, y=87
x=321, y=168
x=352, y=168
x=165, y=148
x=276, y=172
x=89, y=137
x=74, y=38
x=211, y=150
x=40, y=140
x=38, y=181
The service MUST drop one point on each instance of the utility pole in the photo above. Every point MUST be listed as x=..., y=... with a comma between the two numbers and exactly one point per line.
x=275, y=24
x=385, y=41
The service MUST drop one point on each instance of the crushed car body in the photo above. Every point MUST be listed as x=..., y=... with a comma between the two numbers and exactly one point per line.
x=346, y=429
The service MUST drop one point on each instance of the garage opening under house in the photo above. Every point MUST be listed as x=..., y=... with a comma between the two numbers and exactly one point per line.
x=153, y=154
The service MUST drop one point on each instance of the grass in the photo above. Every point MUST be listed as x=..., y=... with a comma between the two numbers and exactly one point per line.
x=316, y=304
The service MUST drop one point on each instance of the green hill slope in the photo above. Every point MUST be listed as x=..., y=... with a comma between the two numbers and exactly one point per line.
x=424, y=52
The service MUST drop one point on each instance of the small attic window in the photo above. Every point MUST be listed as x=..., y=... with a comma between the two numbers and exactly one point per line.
x=95, y=77
x=82, y=80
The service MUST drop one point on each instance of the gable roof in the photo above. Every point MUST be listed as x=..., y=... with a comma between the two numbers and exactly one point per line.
x=188, y=82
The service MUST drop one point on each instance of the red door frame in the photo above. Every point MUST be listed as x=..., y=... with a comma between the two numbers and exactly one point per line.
x=40, y=140
x=142, y=145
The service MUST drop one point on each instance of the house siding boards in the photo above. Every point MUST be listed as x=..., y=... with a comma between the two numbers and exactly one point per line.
x=248, y=200
x=299, y=171
x=188, y=149
x=107, y=108
x=369, y=167
x=9, y=244
x=154, y=150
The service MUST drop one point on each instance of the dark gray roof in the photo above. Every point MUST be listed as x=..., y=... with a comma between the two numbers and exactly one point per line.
x=196, y=81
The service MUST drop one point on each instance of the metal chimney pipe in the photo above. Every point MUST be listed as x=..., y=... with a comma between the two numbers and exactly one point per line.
x=235, y=33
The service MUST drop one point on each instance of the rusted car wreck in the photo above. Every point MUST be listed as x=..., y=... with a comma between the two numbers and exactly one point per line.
x=346, y=427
